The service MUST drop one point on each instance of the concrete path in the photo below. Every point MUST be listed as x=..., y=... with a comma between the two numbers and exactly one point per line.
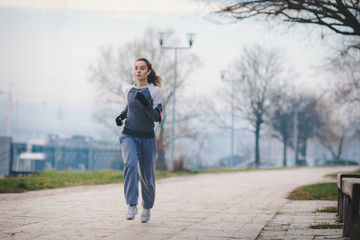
x=243, y=205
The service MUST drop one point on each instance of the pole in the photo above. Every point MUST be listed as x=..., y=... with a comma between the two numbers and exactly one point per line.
x=232, y=125
x=295, y=136
x=232, y=117
x=270, y=142
x=171, y=164
x=190, y=36
x=9, y=117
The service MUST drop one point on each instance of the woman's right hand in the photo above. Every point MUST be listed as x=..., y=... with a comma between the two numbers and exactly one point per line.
x=118, y=121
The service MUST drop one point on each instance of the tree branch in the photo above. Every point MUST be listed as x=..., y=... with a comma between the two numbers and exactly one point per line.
x=339, y=16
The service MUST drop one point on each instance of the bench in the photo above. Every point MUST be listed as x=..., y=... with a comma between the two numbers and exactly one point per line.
x=340, y=197
x=351, y=207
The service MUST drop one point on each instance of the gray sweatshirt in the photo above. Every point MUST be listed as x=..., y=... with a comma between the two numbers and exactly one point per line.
x=140, y=120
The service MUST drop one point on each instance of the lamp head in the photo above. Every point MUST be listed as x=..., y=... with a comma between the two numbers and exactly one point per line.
x=191, y=38
x=222, y=74
x=161, y=38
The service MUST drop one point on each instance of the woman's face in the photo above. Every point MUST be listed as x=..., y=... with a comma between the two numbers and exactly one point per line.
x=141, y=71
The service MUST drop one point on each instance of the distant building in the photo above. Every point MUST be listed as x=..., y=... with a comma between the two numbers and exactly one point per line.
x=76, y=152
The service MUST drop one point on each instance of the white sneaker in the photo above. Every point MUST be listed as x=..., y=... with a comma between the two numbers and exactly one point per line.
x=132, y=211
x=145, y=216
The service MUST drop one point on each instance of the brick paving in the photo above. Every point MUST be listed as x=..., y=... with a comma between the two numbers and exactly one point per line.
x=241, y=205
x=293, y=220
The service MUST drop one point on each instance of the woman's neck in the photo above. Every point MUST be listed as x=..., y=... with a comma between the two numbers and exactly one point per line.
x=142, y=83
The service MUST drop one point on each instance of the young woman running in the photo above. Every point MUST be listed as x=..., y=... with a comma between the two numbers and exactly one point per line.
x=138, y=145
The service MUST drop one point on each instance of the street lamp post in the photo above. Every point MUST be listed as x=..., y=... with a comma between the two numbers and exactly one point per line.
x=191, y=40
x=9, y=111
x=232, y=115
x=295, y=133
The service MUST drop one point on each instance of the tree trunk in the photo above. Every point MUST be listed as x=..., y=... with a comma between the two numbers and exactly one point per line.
x=160, y=157
x=257, y=147
x=340, y=145
x=302, y=150
x=284, y=157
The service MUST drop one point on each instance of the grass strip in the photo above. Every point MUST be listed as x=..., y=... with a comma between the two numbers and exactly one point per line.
x=327, y=210
x=50, y=179
x=320, y=191
x=326, y=225
x=334, y=175
x=53, y=179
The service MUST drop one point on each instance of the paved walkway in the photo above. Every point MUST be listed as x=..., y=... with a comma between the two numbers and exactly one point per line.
x=243, y=205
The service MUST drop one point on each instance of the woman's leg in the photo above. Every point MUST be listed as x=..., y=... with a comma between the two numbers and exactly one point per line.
x=130, y=153
x=147, y=170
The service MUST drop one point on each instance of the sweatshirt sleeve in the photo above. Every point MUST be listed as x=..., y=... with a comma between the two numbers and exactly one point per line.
x=123, y=114
x=155, y=111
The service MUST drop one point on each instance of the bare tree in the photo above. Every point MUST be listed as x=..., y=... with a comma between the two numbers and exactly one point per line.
x=258, y=69
x=332, y=136
x=112, y=72
x=340, y=16
x=346, y=92
x=282, y=115
x=308, y=121
x=336, y=127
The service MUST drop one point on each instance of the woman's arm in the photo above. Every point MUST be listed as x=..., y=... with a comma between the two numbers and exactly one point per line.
x=153, y=112
x=121, y=117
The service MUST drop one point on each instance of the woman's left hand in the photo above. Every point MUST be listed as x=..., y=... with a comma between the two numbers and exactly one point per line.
x=139, y=96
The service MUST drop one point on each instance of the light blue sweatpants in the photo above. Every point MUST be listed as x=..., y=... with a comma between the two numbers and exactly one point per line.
x=143, y=151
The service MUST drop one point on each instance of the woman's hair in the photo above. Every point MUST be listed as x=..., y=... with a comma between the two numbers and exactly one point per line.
x=152, y=77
